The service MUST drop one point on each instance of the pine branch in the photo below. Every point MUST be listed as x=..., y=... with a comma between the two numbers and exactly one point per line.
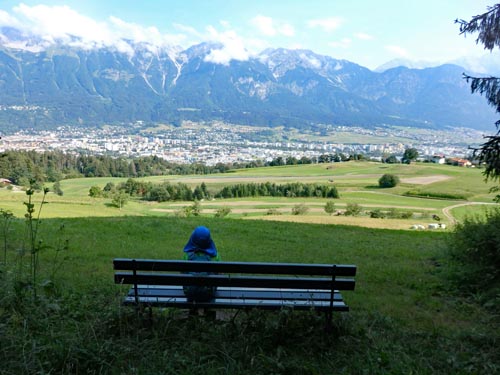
x=489, y=154
x=488, y=26
x=488, y=87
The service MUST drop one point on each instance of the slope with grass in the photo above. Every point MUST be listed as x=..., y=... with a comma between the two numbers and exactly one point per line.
x=403, y=319
x=432, y=189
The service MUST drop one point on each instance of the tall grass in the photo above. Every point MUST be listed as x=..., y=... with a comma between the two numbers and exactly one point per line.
x=402, y=318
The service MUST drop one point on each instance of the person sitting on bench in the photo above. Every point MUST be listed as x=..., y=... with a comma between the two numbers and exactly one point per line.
x=201, y=248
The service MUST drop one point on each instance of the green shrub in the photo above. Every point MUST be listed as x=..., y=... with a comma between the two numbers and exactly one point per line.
x=196, y=208
x=57, y=188
x=388, y=181
x=188, y=211
x=353, y=209
x=393, y=213
x=119, y=199
x=182, y=212
x=222, y=212
x=273, y=211
x=377, y=214
x=95, y=192
x=329, y=207
x=474, y=249
x=433, y=195
x=406, y=215
x=299, y=209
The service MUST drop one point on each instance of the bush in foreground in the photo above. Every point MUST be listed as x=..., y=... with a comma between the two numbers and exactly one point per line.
x=474, y=250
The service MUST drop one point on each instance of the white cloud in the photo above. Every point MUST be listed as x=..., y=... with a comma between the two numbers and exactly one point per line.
x=326, y=24
x=269, y=27
x=364, y=36
x=62, y=24
x=343, y=43
x=296, y=46
x=264, y=25
x=189, y=30
x=138, y=33
x=7, y=20
x=397, y=50
x=233, y=47
x=287, y=30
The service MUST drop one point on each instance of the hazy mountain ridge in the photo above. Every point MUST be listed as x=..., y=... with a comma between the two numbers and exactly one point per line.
x=70, y=85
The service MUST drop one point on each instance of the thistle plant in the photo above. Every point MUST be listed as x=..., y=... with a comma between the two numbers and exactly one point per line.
x=34, y=244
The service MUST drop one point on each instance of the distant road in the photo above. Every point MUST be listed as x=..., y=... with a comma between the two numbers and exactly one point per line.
x=447, y=213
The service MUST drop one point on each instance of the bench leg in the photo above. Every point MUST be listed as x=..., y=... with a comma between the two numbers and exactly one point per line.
x=193, y=311
x=328, y=322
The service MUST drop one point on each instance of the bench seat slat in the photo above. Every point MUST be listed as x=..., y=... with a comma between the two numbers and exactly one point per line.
x=240, y=293
x=181, y=302
x=234, y=267
x=230, y=280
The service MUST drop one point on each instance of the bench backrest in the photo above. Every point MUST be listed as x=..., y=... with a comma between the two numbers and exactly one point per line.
x=235, y=274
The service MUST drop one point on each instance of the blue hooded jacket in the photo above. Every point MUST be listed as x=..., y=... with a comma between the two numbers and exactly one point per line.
x=201, y=240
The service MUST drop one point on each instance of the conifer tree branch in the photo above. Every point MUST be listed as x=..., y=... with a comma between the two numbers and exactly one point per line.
x=487, y=86
x=488, y=26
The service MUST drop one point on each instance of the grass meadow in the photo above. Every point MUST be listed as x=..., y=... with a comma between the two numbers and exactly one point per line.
x=357, y=182
x=404, y=318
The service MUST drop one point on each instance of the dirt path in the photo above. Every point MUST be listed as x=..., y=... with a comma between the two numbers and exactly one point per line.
x=422, y=180
x=425, y=180
x=447, y=213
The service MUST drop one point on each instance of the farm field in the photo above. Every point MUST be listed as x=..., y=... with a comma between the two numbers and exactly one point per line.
x=357, y=183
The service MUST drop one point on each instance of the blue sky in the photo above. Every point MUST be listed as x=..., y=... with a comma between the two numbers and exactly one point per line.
x=369, y=33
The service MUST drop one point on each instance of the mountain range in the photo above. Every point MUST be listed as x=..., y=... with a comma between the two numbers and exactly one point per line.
x=70, y=85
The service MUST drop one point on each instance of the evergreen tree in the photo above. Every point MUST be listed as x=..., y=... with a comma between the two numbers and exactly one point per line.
x=487, y=25
x=197, y=193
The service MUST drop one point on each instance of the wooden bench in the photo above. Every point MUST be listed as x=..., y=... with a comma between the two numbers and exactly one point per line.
x=240, y=285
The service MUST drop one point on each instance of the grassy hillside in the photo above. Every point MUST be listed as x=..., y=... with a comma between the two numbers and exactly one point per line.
x=434, y=189
x=403, y=319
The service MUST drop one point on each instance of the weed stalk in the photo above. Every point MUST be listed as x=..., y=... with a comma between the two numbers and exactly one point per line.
x=33, y=224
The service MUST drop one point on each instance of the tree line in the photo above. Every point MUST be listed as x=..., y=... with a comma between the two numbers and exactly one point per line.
x=36, y=168
x=32, y=168
x=170, y=192
x=268, y=189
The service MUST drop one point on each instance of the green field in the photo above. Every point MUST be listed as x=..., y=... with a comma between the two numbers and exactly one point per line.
x=405, y=318
x=357, y=182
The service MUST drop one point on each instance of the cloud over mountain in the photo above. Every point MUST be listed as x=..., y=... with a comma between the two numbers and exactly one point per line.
x=42, y=26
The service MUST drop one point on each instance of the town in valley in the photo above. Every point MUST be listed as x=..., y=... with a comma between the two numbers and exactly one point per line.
x=218, y=142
